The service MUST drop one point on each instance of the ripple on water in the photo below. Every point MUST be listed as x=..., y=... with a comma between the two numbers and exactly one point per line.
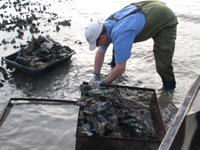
x=38, y=125
x=8, y=128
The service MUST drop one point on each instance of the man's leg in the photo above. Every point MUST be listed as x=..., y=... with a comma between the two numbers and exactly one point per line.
x=164, y=44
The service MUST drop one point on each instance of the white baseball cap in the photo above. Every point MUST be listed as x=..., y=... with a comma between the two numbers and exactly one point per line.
x=92, y=32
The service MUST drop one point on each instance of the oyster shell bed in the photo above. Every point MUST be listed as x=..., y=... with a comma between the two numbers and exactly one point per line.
x=104, y=115
x=41, y=52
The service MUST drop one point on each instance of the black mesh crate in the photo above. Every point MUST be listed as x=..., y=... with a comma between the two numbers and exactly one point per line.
x=139, y=99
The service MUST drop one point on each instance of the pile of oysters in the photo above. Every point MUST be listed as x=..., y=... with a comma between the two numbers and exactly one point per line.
x=41, y=52
x=102, y=115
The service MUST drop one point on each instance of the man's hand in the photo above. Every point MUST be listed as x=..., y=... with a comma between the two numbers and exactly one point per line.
x=96, y=76
x=102, y=82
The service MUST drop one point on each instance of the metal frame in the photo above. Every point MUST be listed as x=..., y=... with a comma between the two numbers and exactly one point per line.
x=84, y=142
x=32, y=99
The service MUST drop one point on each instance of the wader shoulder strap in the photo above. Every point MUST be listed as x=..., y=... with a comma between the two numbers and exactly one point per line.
x=132, y=12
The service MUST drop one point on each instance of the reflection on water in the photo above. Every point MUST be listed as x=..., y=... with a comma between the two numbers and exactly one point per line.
x=63, y=82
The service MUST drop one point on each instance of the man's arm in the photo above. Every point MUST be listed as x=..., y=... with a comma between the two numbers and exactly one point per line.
x=99, y=59
x=116, y=72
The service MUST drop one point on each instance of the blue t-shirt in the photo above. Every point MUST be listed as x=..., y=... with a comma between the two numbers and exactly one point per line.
x=122, y=34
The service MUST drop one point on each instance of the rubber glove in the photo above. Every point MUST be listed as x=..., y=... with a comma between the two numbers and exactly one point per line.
x=97, y=76
x=102, y=82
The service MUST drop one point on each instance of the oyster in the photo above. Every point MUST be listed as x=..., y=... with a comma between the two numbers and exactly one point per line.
x=110, y=116
x=41, y=52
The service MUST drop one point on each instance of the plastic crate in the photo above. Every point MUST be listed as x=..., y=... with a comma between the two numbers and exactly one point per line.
x=34, y=71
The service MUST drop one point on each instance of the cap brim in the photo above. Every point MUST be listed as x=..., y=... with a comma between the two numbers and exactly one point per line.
x=92, y=46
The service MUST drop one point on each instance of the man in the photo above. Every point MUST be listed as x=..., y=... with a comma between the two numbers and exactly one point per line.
x=135, y=23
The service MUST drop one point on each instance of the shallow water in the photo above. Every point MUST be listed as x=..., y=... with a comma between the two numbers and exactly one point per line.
x=63, y=82
x=41, y=126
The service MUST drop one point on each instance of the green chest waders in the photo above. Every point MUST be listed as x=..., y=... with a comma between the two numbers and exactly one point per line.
x=160, y=25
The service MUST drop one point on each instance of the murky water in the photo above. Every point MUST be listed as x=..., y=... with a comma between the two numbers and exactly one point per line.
x=63, y=82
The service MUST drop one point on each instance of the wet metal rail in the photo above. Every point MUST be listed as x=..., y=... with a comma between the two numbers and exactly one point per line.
x=173, y=139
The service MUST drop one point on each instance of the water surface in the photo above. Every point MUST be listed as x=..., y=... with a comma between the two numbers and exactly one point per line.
x=63, y=82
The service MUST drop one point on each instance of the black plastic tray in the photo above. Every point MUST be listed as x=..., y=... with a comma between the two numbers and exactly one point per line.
x=34, y=71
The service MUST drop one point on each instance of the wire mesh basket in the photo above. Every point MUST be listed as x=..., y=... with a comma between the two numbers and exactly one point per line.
x=141, y=100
